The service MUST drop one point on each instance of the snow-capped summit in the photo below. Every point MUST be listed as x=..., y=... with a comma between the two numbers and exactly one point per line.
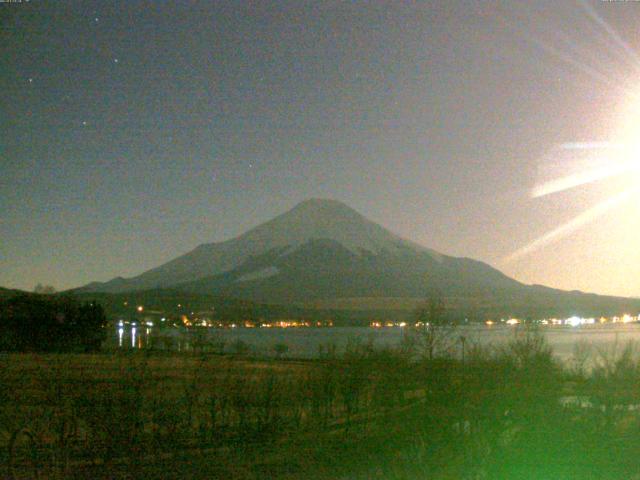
x=313, y=219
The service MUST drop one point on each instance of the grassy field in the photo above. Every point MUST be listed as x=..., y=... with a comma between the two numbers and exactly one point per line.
x=66, y=413
x=510, y=413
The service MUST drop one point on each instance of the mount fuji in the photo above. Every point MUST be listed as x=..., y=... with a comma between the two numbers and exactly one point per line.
x=324, y=254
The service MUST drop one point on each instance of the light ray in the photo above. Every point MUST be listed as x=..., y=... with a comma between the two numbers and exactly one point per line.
x=591, y=71
x=591, y=146
x=574, y=224
x=572, y=165
x=579, y=179
x=614, y=159
x=635, y=59
x=585, y=177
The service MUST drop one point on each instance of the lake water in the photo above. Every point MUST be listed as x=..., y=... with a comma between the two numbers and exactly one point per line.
x=307, y=342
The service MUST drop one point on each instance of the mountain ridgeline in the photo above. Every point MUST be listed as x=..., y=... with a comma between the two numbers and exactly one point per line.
x=324, y=255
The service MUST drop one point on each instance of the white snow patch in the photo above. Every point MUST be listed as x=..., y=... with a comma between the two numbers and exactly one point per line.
x=258, y=274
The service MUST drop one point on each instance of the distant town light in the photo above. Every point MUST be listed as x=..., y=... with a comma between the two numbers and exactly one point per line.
x=140, y=308
x=573, y=321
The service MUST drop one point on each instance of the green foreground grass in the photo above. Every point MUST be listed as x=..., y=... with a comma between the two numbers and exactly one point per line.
x=509, y=412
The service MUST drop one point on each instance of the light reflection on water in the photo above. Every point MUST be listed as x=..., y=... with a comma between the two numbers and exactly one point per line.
x=306, y=342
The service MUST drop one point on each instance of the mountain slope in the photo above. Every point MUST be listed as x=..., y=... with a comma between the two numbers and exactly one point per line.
x=324, y=274
x=324, y=253
x=324, y=268
x=309, y=220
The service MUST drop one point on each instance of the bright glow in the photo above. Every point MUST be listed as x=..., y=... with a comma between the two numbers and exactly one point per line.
x=572, y=165
x=513, y=321
x=576, y=321
x=140, y=308
x=590, y=173
x=571, y=226
x=573, y=321
x=580, y=163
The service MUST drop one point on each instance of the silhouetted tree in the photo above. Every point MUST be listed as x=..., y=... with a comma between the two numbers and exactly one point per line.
x=434, y=328
x=50, y=323
x=44, y=289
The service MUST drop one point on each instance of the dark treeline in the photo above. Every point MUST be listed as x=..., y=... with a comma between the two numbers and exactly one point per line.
x=48, y=323
x=230, y=310
x=546, y=303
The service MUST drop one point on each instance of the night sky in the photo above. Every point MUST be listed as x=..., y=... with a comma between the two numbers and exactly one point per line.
x=133, y=131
